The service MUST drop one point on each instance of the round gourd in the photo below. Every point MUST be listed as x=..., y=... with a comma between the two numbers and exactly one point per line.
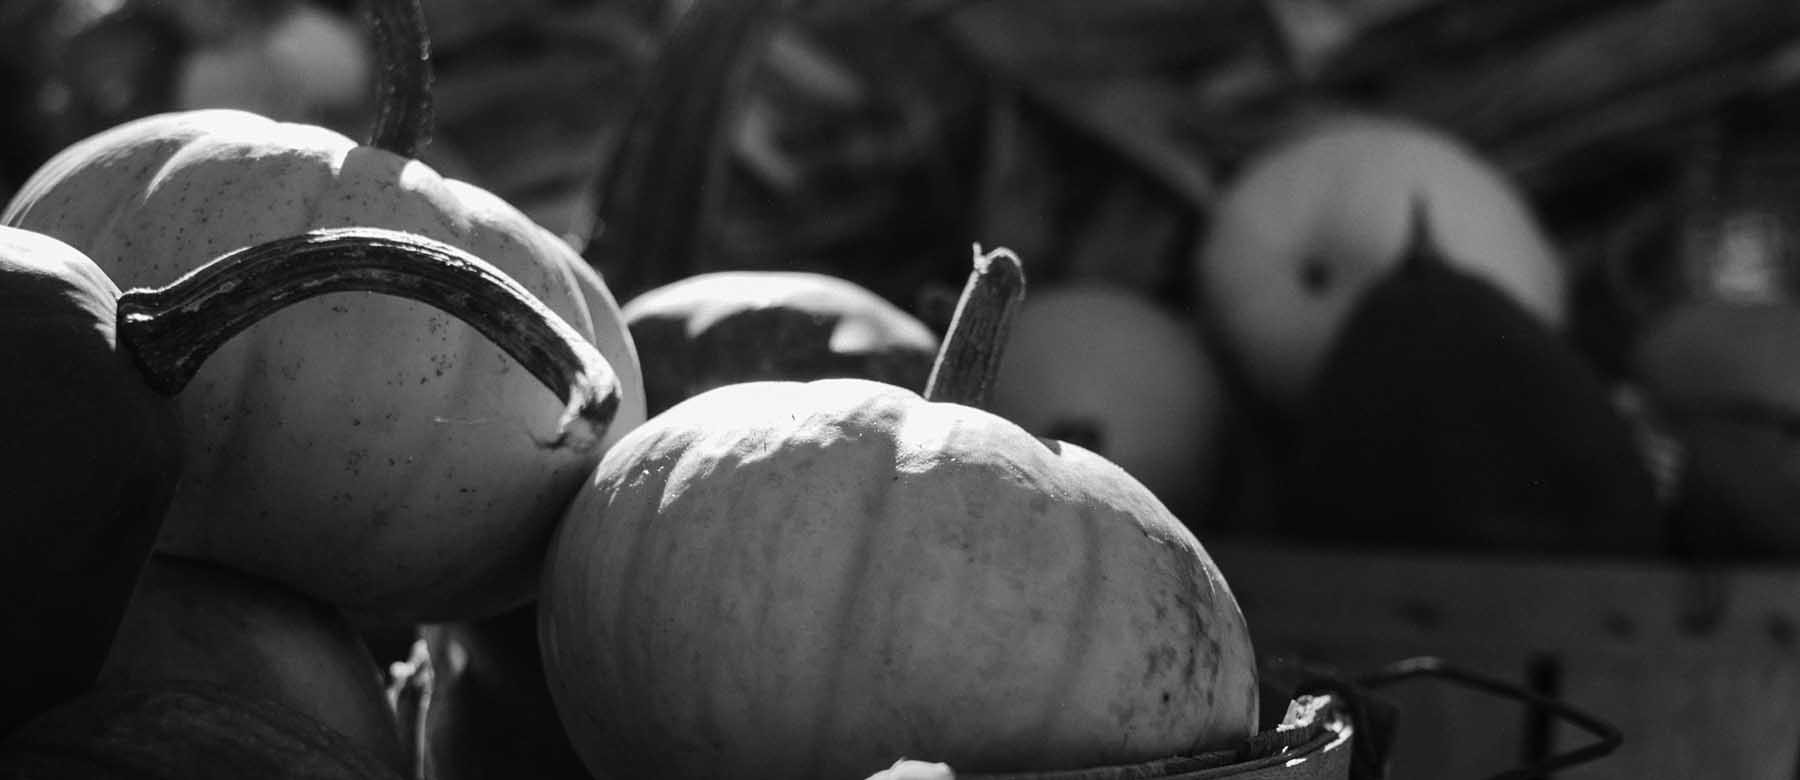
x=182, y=730
x=191, y=620
x=91, y=457
x=491, y=711
x=813, y=580
x=738, y=326
x=1105, y=368
x=1311, y=224
x=94, y=446
x=368, y=451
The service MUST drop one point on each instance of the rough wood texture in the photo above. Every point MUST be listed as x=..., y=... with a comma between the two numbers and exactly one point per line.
x=1699, y=668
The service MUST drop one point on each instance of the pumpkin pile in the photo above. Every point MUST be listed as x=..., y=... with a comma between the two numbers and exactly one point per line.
x=289, y=393
x=652, y=438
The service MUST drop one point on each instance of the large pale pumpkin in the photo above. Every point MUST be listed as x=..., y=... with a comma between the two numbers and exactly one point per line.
x=93, y=449
x=491, y=712
x=372, y=452
x=812, y=580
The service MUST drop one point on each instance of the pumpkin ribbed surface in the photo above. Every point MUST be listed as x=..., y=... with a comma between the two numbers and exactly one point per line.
x=373, y=452
x=181, y=731
x=813, y=580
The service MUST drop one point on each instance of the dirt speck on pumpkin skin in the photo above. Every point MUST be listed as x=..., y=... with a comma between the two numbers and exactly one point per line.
x=1158, y=659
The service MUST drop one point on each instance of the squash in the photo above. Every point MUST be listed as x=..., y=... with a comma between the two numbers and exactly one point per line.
x=739, y=326
x=491, y=711
x=91, y=457
x=94, y=449
x=1315, y=221
x=367, y=451
x=1105, y=367
x=814, y=579
x=192, y=620
x=182, y=730
x=1446, y=415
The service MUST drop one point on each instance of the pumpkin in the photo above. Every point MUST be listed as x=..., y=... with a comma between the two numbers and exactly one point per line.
x=368, y=451
x=192, y=620
x=91, y=457
x=491, y=711
x=94, y=444
x=738, y=326
x=1448, y=416
x=814, y=579
x=1311, y=224
x=1106, y=368
x=182, y=730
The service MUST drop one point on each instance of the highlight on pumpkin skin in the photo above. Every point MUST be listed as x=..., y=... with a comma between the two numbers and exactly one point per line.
x=911, y=769
x=171, y=330
x=969, y=359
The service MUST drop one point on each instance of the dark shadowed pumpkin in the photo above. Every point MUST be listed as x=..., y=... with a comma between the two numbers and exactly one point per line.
x=741, y=326
x=91, y=457
x=182, y=730
x=193, y=620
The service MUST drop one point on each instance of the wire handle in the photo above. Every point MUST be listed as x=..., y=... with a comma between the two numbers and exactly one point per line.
x=1606, y=737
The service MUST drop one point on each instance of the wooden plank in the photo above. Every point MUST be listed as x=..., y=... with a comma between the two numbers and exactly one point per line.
x=1571, y=606
x=1689, y=717
x=1699, y=668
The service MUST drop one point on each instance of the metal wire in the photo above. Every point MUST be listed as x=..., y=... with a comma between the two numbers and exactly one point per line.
x=1607, y=737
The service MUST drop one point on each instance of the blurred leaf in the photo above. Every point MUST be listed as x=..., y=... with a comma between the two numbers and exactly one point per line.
x=1088, y=39
x=1141, y=121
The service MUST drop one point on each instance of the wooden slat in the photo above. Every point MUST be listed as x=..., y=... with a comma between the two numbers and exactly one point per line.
x=1690, y=717
x=1699, y=668
x=1573, y=605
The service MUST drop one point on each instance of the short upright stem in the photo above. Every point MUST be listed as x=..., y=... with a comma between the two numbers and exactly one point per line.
x=969, y=359
x=403, y=77
x=173, y=329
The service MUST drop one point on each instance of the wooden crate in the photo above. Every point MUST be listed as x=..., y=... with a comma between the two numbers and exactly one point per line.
x=1698, y=667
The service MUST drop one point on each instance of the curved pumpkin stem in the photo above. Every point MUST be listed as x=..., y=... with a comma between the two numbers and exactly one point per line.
x=173, y=329
x=403, y=82
x=969, y=359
